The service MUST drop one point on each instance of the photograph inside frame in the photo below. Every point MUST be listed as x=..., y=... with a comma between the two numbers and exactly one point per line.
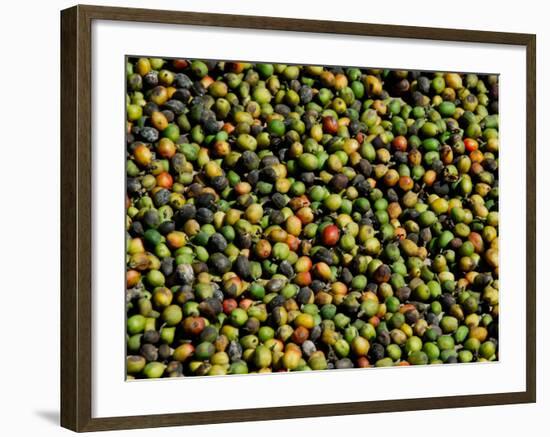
x=301, y=217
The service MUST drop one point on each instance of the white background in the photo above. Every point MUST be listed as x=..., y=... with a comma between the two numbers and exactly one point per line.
x=112, y=396
x=29, y=114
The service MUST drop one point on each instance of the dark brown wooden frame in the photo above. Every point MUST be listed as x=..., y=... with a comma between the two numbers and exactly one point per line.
x=76, y=242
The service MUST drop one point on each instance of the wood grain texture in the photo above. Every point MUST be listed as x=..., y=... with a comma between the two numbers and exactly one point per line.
x=76, y=225
x=69, y=303
x=84, y=222
x=297, y=412
x=76, y=230
x=531, y=190
x=300, y=25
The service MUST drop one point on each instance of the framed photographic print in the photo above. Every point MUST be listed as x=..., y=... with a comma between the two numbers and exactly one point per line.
x=337, y=216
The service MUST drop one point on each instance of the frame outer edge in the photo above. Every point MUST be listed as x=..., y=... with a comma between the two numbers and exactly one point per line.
x=531, y=213
x=69, y=317
x=76, y=224
x=84, y=205
x=259, y=22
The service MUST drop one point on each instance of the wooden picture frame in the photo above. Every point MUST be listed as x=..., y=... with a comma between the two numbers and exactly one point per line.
x=76, y=224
